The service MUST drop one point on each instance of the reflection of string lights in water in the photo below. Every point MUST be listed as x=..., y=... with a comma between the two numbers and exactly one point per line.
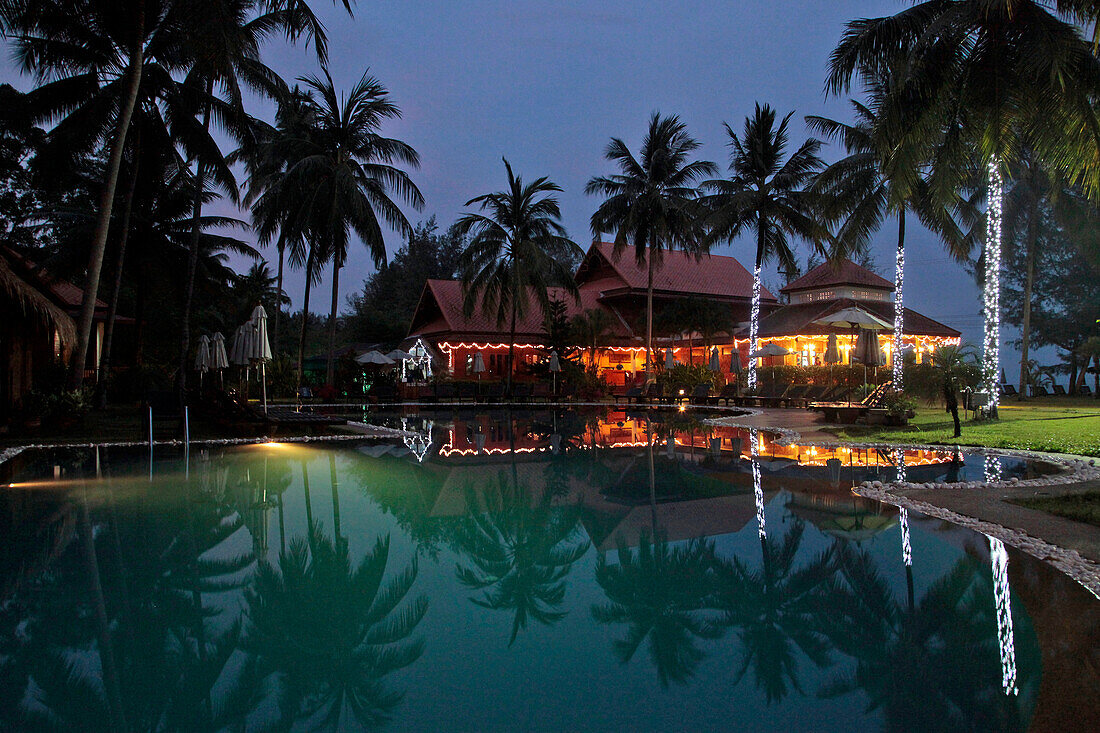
x=906, y=548
x=992, y=468
x=758, y=491
x=420, y=443
x=998, y=557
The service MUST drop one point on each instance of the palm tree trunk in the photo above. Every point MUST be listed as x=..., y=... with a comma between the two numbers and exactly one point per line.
x=305, y=317
x=899, y=304
x=952, y=401
x=754, y=314
x=649, y=320
x=991, y=358
x=192, y=258
x=335, y=497
x=279, y=300
x=512, y=346
x=112, y=307
x=1029, y=280
x=309, y=506
x=330, y=370
x=106, y=202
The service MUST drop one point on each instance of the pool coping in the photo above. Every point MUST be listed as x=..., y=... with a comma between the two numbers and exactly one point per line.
x=1076, y=470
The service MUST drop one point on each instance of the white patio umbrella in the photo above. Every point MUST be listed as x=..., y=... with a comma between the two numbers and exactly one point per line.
x=375, y=357
x=555, y=367
x=854, y=318
x=715, y=366
x=479, y=363
x=735, y=362
x=769, y=349
x=399, y=355
x=832, y=351
x=670, y=363
x=260, y=347
x=202, y=357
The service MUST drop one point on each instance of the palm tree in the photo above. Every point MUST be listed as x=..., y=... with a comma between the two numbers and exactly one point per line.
x=590, y=328
x=89, y=56
x=768, y=194
x=875, y=180
x=953, y=367
x=517, y=249
x=980, y=71
x=651, y=204
x=778, y=609
x=330, y=633
x=667, y=596
x=519, y=552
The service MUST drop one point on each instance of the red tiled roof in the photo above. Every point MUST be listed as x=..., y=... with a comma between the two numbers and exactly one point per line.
x=682, y=273
x=70, y=296
x=799, y=318
x=844, y=272
x=447, y=297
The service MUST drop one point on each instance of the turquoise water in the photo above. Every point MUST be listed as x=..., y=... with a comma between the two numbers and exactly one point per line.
x=560, y=572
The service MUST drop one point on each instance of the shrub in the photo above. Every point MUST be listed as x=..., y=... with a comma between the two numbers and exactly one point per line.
x=898, y=404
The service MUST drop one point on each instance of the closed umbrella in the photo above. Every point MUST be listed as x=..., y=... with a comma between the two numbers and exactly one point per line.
x=260, y=347
x=832, y=351
x=669, y=361
x=202, y=357
x=555, y=367
x=715, y=366
x=218, y=358
x=854, y=318
x=735, y=362
x=479, y=368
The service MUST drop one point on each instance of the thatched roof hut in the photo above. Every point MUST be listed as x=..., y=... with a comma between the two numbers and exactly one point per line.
x=24, y=298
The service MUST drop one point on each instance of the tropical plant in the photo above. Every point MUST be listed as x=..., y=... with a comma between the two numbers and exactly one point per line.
x=331, y=633
x=779, y=609
x=769, y=195
x=590, y=328
x=516, y=253
x=667, y=596
x=519, y=550
x=953, y=367
x=652, y=203
x=876, y=179
x=978, y=73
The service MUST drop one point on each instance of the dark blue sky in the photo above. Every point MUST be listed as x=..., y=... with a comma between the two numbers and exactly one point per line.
x=546, y=84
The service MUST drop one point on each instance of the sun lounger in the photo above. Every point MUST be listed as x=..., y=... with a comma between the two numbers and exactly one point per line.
x=729, y=392
x=631, y=395
x=1038, y=390
x=1084, y=390
x=1059, y=390
x=701, y=396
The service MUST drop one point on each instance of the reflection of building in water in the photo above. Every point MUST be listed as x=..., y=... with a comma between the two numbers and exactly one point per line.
x=842, y=514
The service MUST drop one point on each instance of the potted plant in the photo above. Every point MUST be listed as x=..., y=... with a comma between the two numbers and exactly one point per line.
x=899, y=408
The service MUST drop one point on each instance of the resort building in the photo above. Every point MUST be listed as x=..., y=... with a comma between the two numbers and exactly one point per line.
x=830, y=288
x=617, y=285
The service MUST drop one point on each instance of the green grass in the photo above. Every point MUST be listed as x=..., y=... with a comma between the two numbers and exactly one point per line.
x=1078, y=507
x=1057, y=425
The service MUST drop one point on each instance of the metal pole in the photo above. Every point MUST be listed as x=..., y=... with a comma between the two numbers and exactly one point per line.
x=150, y=429
x=263, y=382
x=186, y=426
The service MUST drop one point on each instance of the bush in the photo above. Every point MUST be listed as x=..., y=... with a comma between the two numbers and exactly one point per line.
x=686, y=377
x=898, y=404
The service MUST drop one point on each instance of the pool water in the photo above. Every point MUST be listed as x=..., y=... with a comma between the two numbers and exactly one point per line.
x=550, y=571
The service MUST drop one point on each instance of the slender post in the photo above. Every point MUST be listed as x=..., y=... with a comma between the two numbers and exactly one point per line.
x=150, y=430
x=186, y=426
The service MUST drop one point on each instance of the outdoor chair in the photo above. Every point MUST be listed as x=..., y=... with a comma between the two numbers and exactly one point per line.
x=541, y=391
x=702, y=396
x=1059, y=391
x=1084, y=390
x=729, y=392
x=633, y=394
x=1009, y=390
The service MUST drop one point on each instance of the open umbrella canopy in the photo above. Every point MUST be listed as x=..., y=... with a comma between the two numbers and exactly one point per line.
x=202, y=355
x=832, y=351
x=715, y=366
x=555, y=363
x=399, y=355
x=375, y=357
x=854, y=318
x=769, y=349
x=260, y=345
x=218, y=357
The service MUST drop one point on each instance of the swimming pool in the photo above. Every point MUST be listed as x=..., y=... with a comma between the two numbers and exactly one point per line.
x=545, y=571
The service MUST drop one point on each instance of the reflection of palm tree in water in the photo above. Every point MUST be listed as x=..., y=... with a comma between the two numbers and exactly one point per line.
x=927, y=665
x=519, y=550
x=667, y=596
x=328, y=634
x=778, y=610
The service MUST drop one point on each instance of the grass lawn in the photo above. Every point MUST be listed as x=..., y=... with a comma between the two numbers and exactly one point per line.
x=1078, y=507
x=1058, y=425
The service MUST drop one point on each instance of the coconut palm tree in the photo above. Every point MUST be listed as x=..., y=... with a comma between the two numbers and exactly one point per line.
x=331, y=632
x=877, y=179
x=954, y=369
x=667, y=596
x=769, y=195
x=517, y=251
x=590, y=328
x=980, y=71
x=89, y=57
x=519, y=550
x=651, y=204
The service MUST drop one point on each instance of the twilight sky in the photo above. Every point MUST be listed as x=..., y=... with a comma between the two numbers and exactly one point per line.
x=547, y=83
